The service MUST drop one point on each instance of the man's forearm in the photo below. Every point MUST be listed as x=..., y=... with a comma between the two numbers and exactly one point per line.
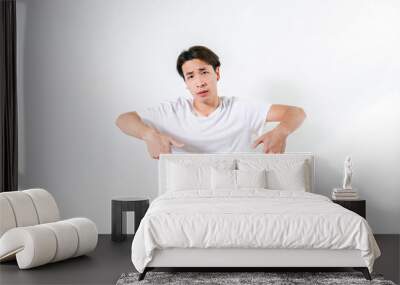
x=132, y=125
x=291, y=121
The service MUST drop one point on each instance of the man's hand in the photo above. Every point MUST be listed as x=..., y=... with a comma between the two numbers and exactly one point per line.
x=273, y=141
x=290, y=118
x=158, y=143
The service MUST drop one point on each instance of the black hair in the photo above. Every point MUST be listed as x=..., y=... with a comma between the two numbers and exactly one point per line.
x=197, y=52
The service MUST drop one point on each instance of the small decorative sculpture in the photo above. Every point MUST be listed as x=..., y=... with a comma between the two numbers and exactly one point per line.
x=348, y=172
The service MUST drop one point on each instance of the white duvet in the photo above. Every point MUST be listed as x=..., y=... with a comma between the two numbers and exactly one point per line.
x=250, y=218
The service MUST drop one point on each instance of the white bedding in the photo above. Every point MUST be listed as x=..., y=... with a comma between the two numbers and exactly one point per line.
x=251, y=218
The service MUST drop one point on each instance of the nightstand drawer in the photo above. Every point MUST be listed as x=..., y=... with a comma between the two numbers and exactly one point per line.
x=357, y=206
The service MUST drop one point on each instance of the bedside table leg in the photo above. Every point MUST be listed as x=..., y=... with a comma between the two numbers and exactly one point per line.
x=118, y=222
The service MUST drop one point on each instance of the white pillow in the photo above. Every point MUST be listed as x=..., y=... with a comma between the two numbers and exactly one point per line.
x=251, y=178
x=287, y=178
x=189, y=174
x=187, y=177
x=223, y=179
x=281, y=174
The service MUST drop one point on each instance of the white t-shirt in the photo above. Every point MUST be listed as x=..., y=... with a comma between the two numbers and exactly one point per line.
x=231, y=127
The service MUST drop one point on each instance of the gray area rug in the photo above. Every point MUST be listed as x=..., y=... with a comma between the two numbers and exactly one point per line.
x=228, y=278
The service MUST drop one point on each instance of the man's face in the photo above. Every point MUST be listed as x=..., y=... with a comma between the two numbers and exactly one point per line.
x=201, y=79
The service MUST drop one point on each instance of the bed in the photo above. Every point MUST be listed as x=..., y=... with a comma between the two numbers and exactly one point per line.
x=246, y=210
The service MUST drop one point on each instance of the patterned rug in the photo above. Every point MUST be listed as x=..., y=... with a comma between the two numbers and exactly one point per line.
x=269, y=278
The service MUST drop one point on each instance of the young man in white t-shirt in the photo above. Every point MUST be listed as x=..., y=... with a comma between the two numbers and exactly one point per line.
x=206, y=122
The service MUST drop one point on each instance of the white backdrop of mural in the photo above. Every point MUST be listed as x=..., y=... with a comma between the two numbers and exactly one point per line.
x=82, y=63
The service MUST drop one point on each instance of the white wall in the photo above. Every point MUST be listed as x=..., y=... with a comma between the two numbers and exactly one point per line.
x=82, y=63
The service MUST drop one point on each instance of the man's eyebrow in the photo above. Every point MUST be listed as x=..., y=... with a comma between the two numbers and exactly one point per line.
x=200, y=69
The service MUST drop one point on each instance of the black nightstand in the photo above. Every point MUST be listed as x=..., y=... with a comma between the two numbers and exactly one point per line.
x=357, y=206
x=119, y=207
